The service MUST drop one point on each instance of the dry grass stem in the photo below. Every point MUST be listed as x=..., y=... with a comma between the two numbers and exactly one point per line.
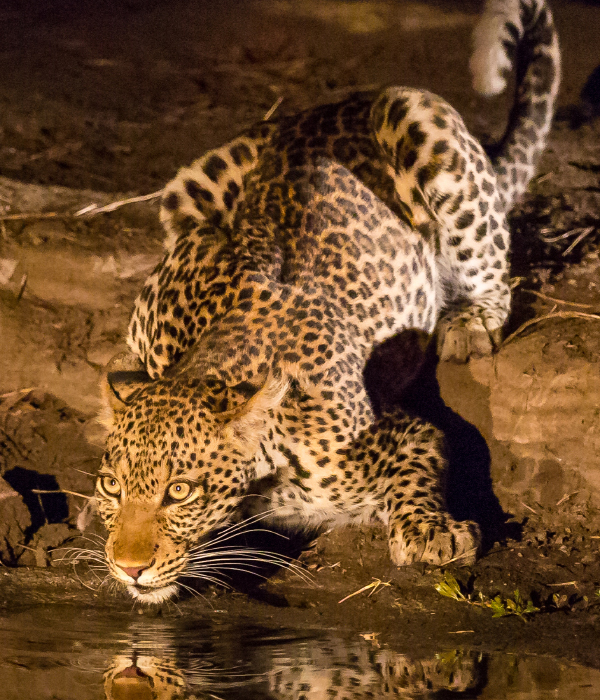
x=34, y=215
x=463, y=632
x=529, y=507
x=374, y=586
x=93, y=209
x=559, y=301
x=545, y=317
x=17, y=392
x=273, y=109
x=516, y=281
x=584, y=232
x=468, y=553
x=562, y=236
x=89, y=210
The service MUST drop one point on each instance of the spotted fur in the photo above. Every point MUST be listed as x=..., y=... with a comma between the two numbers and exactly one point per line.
x=292, y=252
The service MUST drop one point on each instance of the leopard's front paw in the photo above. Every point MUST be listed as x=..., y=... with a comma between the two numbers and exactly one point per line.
x=461, y=336
x=435, y=541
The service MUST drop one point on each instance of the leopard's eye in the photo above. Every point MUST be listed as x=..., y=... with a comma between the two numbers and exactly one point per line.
x=179, y=491
x=109, y=485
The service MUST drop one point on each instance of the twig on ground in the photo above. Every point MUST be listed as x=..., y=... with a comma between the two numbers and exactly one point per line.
x=374, y=585
x=35, y=215
x=566, y=497
x=562, y=236
x=16, y=392
x=558, y=301
x=273, y=109
x=528, y=507
x=22, y=287
x=584, y=232
x=93, y=209
x=556, y=314
x=89, y=210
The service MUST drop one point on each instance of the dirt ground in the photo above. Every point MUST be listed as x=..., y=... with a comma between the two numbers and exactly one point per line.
x=104, y=100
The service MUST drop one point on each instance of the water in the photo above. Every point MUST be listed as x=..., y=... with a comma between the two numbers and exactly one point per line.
x=60, y=653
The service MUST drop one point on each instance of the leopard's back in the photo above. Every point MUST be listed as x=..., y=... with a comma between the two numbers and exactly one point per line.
x=313, y=228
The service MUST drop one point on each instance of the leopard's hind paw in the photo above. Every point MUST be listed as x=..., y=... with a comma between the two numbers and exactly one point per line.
x=462, y=336
x=436, y=541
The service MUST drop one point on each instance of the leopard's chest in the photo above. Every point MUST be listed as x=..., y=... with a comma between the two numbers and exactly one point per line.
x=306, y=471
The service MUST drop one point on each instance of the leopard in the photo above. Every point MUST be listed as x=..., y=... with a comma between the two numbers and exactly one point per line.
x=293, y=252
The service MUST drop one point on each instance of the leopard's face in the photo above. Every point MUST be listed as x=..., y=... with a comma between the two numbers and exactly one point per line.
x=174, y=470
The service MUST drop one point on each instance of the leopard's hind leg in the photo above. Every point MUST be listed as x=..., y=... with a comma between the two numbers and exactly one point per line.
x=211, y=188
x=408, y=468
x=445, y=178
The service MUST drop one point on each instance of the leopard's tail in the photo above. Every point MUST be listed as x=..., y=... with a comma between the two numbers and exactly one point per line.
x=519, y=35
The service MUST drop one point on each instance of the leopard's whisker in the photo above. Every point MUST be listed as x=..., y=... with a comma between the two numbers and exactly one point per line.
x=195, y=593
x=197, y=574
x=210, y=579
x=233, y=530
x=76, y=555
x=79, y=553
x=242, y=551
x=249, y=554
x=249, y=558
x=92, y=537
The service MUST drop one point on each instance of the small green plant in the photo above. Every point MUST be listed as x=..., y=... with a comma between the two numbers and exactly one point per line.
x=450, y=588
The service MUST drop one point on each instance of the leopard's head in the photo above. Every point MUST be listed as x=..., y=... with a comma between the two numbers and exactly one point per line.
x=179, y=456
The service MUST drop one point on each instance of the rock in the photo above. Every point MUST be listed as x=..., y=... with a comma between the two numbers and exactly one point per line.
x=14, y=521
x=48, y=463
x=44, y=231
x=49, y=537
x=537, y=404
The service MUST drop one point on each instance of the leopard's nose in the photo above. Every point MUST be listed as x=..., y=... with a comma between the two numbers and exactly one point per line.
x=134, y=571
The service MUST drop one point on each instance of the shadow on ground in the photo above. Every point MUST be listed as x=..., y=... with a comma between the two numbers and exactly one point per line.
x=402, y=373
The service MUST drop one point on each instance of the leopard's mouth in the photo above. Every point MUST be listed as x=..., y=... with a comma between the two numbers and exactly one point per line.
x=152, y=594
x=133, y=672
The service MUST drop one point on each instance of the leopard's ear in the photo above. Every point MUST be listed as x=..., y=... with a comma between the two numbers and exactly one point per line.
x=123, y=376
x=246, y=423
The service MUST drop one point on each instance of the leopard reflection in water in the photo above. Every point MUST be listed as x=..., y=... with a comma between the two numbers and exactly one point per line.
x=294, y=670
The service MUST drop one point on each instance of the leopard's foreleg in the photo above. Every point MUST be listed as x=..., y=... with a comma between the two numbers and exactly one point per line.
x=408, y=466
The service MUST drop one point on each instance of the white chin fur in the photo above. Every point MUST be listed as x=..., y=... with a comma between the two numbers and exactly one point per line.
x=157, y=595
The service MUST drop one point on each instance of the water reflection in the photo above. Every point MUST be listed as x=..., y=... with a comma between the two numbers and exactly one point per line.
x=53, y=653
x=314, y=669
